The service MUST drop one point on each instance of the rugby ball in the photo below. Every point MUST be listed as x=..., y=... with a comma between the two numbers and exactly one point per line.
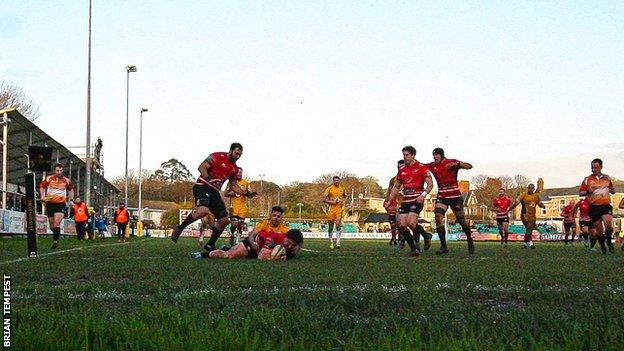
x=277, y=252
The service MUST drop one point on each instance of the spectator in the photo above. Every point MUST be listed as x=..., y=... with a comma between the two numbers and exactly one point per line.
x=79, y=212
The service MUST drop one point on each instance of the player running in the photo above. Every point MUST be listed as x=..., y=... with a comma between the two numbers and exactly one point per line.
x=587, y=232
x=569, y=221
x=413, y=178
x=529, y=200
x=445, y=172
x=238, y=207
x=501, y=206
x=55, y=190
x=334, y=196
x=598, y=187
x=213, y=171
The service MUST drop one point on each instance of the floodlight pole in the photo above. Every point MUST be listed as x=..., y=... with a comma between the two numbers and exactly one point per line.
x=140, y=161
x=5, y=150
x=87, y=197
x=129, y=68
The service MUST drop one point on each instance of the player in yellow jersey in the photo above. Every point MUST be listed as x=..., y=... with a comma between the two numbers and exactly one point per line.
x=238, y=206
x=529, y=200
x=334, y=197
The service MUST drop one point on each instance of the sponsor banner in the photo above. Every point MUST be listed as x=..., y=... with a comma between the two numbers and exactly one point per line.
x=552, y=237
x=194, y=233
x=17, y=222
x=42, y=224
x=68, y=227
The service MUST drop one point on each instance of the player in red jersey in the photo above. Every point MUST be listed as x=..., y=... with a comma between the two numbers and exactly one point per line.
x=501, y=206
x=213, y=171
x=413, y=178
x=445, y=172
x=569, y=221
x=587, y=233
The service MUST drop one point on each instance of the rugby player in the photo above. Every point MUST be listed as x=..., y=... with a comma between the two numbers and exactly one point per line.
x=413, y=177
x=445, y=171
x=529, y=201
x=213, y=171
x=597, y=187
x=334, y=196
x=587, y=232
x=261, y=240
x=55, y=190
x=391, y=210
x=501, y=205
x=238, y=207
x=569, y=221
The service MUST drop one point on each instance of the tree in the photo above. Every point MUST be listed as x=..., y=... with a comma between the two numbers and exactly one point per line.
x=172, y=171
x=13, y=96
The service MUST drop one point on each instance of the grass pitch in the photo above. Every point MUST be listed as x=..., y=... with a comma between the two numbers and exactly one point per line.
x=148, y=294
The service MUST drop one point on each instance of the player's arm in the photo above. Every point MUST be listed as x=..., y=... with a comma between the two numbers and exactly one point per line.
x=42, y=188
x=393, y=192
x=611, y=187
x=428, y=188
x=584, y=189
x=252, y=238
x=515, y=203
x=229, y=192
x=70, y=193
x=327, y=199
x=203, y=168
x=464, y=165
x=240, y=191
x=541, y=204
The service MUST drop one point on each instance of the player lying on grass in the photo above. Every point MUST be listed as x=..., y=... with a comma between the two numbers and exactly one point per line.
x=262, y=240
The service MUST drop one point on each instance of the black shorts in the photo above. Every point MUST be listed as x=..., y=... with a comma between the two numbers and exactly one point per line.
x=455, y=203
x=500, y=221
x=568, y=226
x=251, y=252
x=392, y=218
x=412, y=206
x=597, y=211
x=588, y=224
x=208, y=197
x=52, y=208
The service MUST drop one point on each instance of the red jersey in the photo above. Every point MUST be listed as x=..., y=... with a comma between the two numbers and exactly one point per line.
x=221, y=169
x=600, y=187
x=583, y=206
x=501, y=206
x=265, y=237
x=413, y=179
x=446, y=178
x=568, y=213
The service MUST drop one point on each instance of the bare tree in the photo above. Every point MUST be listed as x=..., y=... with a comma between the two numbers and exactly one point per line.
x=13, y=96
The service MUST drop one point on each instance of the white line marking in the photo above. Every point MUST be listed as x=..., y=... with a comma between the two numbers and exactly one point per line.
x=70, y=250
x=309, y=250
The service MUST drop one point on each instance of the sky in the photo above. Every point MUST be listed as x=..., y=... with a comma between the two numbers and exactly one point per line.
x=308, y=88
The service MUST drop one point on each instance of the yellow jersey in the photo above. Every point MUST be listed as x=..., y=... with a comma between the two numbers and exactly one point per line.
x=529, y=204
x=335, y=193
x=238, y=204
x=266, y=226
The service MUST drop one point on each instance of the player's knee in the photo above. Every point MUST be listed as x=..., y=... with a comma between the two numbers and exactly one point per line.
x=439, y=212
x=222, y=222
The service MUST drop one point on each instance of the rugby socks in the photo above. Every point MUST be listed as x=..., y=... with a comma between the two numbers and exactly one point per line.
x=441, y=230
x=56, y=233
x=601, y=241
x=502, y=235
x=186, y=222
x=592, y=242
x=408, y=238
x=216, y=233
x=421, y=231
x=609, y=237
x=338, y=234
